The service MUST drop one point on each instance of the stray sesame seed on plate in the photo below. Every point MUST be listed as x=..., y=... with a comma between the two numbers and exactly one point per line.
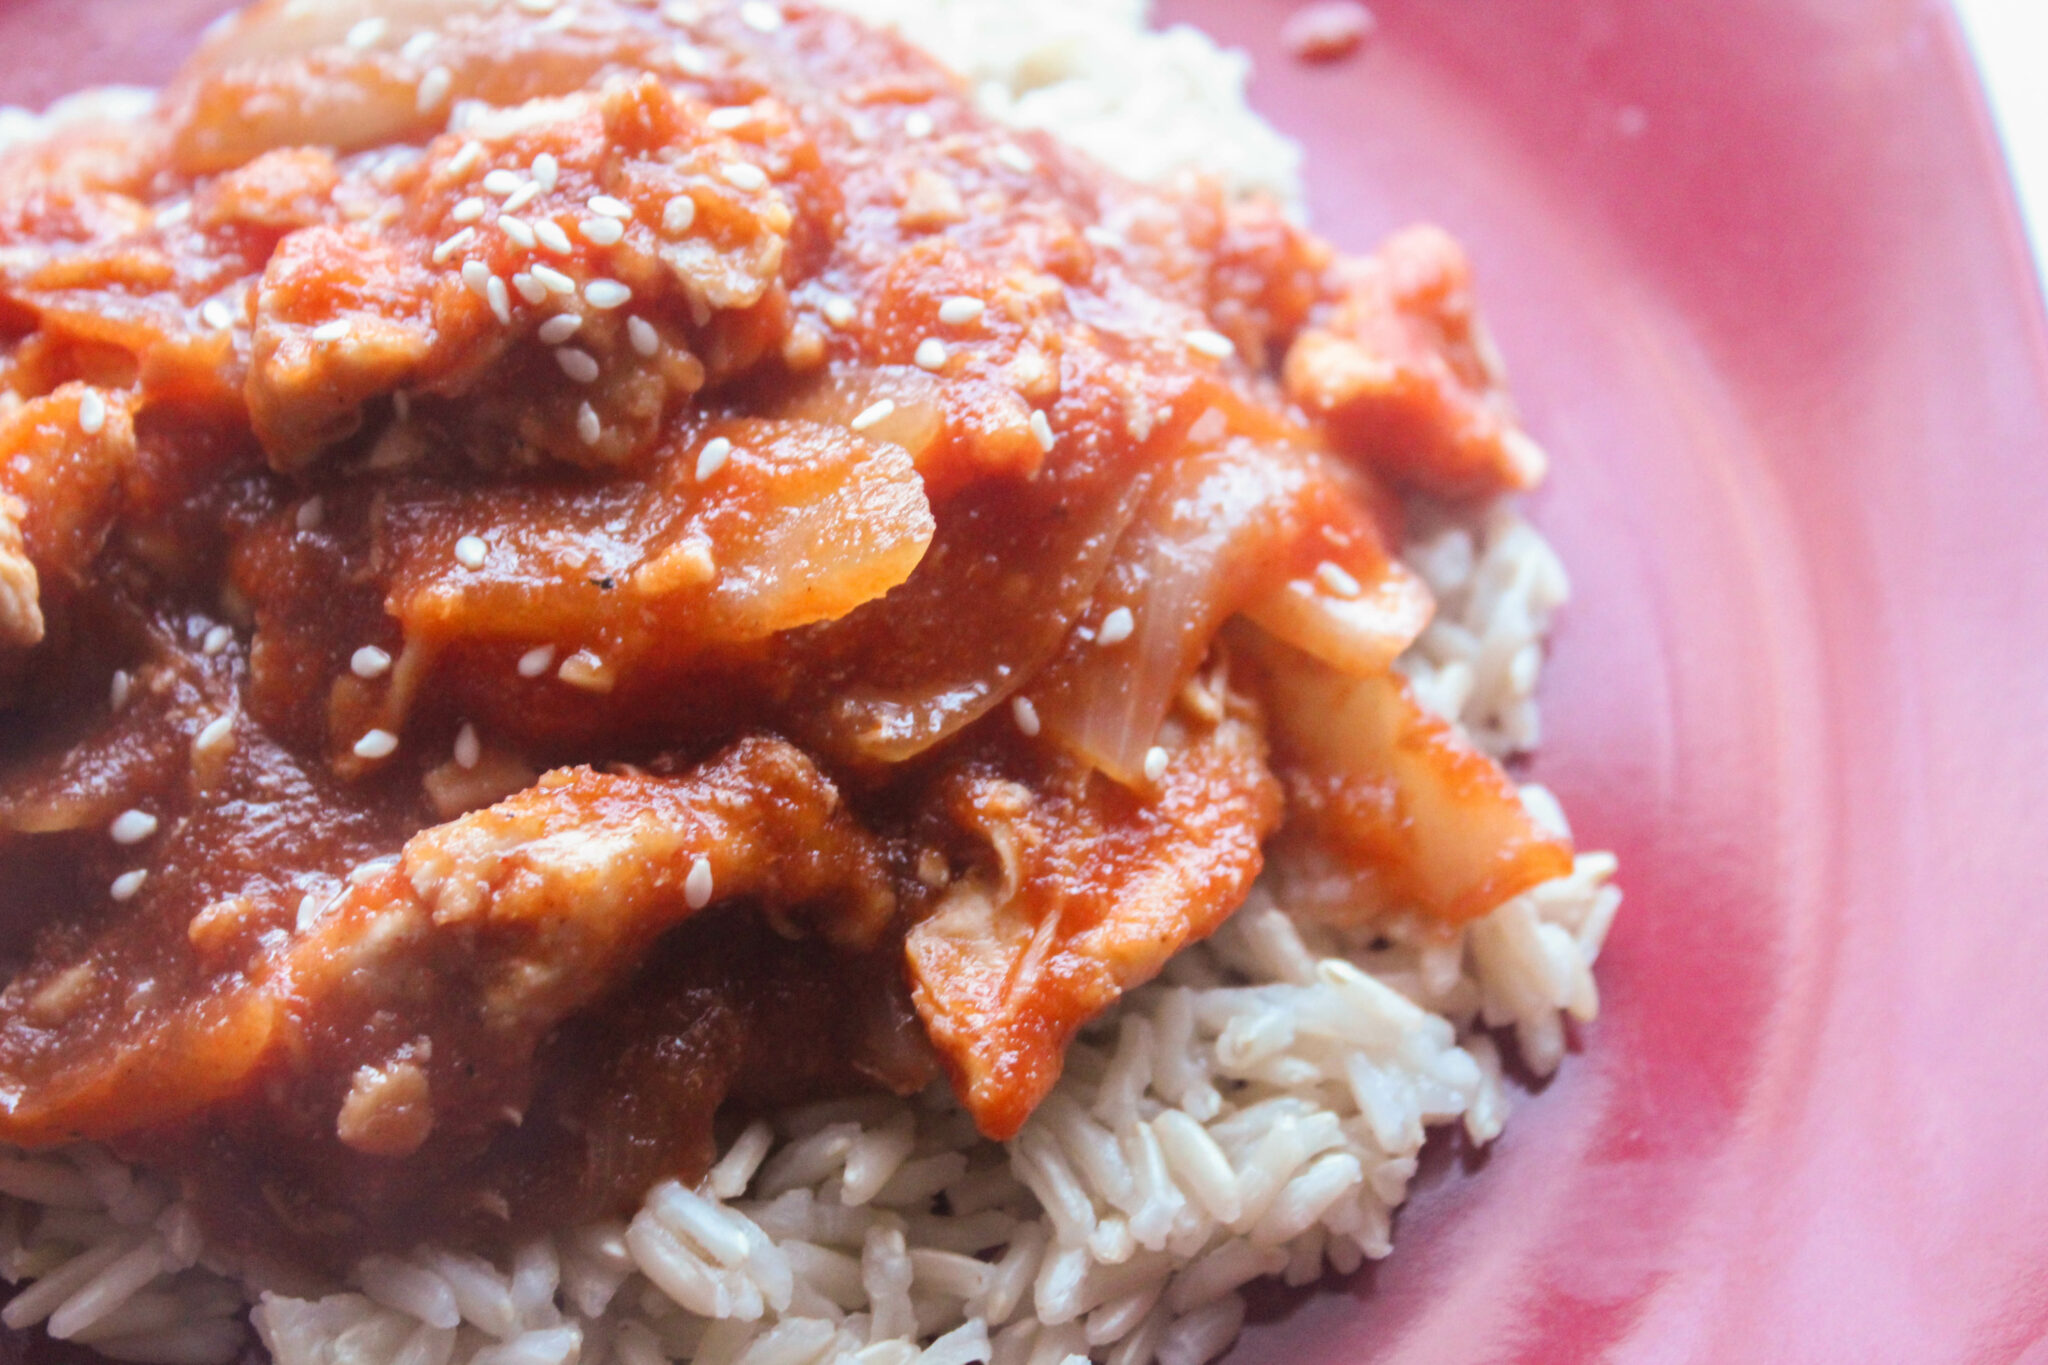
x=536, y=661
x=477, y=276
x=1016, y=158
x=550, y=235
x=678, y=214
x=744, y=175
x=310, y=514
x=530, y=289
x=1337, y=579
x=560, y=328
x=760, y=16
x=217, y=640
x=610, y=207
x=602, y=231
x=581, y=366
x=873, y=413
x=435, y=87
x=917, y=123
x=502, y=182
x=331, y=331
x=217, y=736
x=92, y=413
x=368, y=32
x=1212, y=344
x=521, y=197
x=840, y=312
x=547, y=171
x=1155, y=763
x=640, y=332
x=469, y=210
x=467, y=747
x=607, y=294
x=1041, y=431
x=500, y=300
x=1116, y=627
x=466, y=159
x=471, y=552
x=377, y=744
x=712, y=458
x=519, y=230
x=216, y=314
x=931, y=354
x=961, y=310
x=553, y=280
x=453, y=244
x=132, y=827
x=697, y=886
x=369, y=662
x=1026, y=716
x=588, y=426
x=128, y=883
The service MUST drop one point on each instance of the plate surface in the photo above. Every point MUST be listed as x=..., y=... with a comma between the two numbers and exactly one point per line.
x=1757, y=270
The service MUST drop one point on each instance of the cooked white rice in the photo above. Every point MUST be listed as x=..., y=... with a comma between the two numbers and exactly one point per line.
x=1256, y=1112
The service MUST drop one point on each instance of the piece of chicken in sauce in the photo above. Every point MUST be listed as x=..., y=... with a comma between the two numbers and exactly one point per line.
x=556, y=578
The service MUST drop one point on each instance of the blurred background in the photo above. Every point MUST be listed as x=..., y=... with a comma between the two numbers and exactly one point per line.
x=2011, y=39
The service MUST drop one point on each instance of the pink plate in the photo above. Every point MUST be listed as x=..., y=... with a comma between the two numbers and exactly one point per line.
x=1759, y=274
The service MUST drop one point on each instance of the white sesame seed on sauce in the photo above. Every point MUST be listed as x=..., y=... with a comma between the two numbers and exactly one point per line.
x=547, y=172
x=601, y=231
x=1155, y=763
x=521, y=197
x=529, y=288
x=471, y=552
x=119, y=688
x=468, y=749
x=961, y=310
x=377, y=744
x=760, y=16
x=586, y=672
x=369, y=662
x=502, y=182
x=917, y=123
x=553, y=280
x=931, y=354
x=309, y=912
x=536, y=661
x=840, y=312
x=469, y=210
x=477, y=276
x=712, y=457
x=873, y=413
x=588, y=425
x=127, y=884
x=371, y=870
x=1337, y=580
x=550, y=235
x=678, y=214
x=1215, y=345
x=1041, y=431
x=216, y=314
x=434, y=89
x=331, y=331
x=1116, y=627
x=560, y=328
x=697, y=886
x=730, y=117
x=217, y=640
x=690, y=60
x=641, y=334
x=368, y=32
x=1016, y=158
x=132, y=827
x=537, y=6
x=92, y=413
x=1026, y=716
x=419, y=45
x=500, y=300
x=311, y=513
x=453, y=244
x=580, y=366
x=217, y=736
x=611, y=208
x=466, y=159
x=682, y=13
x=519, y=230
x=744, y=175
x=606, y=295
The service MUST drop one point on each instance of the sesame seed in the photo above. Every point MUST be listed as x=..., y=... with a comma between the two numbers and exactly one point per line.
x=466, y=159
x=587, y=425
x=521, y=197
x=840, y=312
x=377, y=744
x=607, y=294
x=1116, y=627
x=917, y=123
x=559, y=328
x=369, y=662
x=530, y=289
x=519, y=230
x=1337, y=580
x=331, y=331
x=551, y=279
x=92, y=413
x=217, y=640
x=1212, y=344
x=690, y=60
x=216, y=737
x=712, y=458
x=368, y=32
x=419, y=45
x=453, y=244
x=536, y=6
x=586, y=672
x=502, y=182
x=873, y=413
x=678, y=214
x=177, y=213
x=128, y=883
x=611, y=208
x=119, y=687
x=547, y=171
x=602, y=231
x=374, y=868
x=310, y=514
x=132, y=827
x=958, y=312
x=477, y=276
x=551, y=236
x=931, y=354
x=467, y=748
x=469, y=210
x=309, y=912
x=731, y=117
x=1026, y=716
x=1155, y=763
x=760, y=16
x=500, y=300
x=744, y=175
x=471, y=552
x=697, y=886
x=434, y=88
x=1041, y=431
x=580, y=366
x=216, y=314
x=682, y=13
x=640, y=332
x=536, y=661
x=1016, y=158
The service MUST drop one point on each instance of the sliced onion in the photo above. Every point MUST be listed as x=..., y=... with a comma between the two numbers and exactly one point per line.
x=896, y=403
x=1358, y=632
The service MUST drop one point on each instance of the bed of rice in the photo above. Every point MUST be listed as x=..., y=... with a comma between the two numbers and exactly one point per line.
x=1258, y=1111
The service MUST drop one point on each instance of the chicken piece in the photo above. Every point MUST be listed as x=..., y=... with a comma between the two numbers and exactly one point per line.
x=21, y=610
x=1091, y=888
x=1401, y=372
x=63, y=459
